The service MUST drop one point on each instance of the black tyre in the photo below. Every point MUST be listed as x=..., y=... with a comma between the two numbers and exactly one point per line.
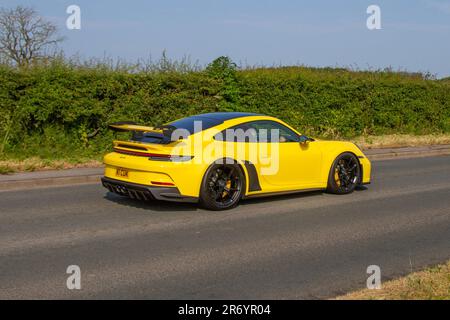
x=345, y=174
x=222, y=187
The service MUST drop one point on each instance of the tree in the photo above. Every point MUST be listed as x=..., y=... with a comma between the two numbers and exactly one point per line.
x=224, y=69
x=25, y=36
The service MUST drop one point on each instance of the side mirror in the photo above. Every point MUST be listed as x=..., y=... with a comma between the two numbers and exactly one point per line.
x=303, y=140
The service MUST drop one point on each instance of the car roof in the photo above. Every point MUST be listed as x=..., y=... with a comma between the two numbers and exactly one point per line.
x=224, y=116
x=208, y=120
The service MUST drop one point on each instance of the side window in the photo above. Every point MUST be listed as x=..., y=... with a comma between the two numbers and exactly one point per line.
x=258, y=131
x=271, y=131
x=239, y=133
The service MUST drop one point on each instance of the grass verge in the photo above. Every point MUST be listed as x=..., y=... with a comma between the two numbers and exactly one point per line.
x=401, y=140
x=430, y=284
x=36, y=163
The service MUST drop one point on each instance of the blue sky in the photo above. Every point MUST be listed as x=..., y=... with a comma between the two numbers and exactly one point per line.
x=415, y=34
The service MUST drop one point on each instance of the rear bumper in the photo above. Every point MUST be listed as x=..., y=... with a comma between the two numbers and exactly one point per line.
x=186, y=176
x=143, y=192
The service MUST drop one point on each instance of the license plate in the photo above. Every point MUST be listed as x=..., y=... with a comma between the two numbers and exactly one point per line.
x=122, y=173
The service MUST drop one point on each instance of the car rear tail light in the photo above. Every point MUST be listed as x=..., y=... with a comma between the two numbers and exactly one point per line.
x=154, y=156
x=181, y=158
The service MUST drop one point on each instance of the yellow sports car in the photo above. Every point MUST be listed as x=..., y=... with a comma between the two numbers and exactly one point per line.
x=217, y=159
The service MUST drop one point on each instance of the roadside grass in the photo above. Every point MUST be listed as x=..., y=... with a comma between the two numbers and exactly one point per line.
x=429, y=284
x=65, y=160
x=400, y=140
x=36, y=163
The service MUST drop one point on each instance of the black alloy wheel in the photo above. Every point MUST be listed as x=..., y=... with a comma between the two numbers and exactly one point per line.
x=222, y=187
x=345, y=174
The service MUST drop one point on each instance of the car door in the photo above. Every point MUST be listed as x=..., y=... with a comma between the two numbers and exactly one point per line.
x=292, y=164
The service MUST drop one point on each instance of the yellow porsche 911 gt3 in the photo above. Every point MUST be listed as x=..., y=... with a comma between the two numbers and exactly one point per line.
x=217, y=159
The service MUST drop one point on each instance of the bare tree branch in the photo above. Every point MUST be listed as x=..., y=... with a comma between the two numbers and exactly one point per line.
x=25, y=36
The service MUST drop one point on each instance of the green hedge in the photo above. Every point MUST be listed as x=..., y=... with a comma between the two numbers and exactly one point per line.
x=61, y=111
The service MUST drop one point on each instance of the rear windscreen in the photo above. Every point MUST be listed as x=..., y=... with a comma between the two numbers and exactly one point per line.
x=188, y=123
x=147, y=137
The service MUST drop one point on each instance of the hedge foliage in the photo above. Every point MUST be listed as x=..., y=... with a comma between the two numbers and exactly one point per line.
x=61, y=111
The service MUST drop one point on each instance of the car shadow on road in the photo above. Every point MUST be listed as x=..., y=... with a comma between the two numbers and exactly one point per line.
x=281, y=197
x=154, y=205
x=166, y=206
x=361, y=188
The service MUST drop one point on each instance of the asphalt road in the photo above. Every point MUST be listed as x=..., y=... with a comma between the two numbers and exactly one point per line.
x=312, y=245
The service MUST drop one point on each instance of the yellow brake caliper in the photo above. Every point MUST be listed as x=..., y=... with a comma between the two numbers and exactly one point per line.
x=228, y=186
x=336, y=177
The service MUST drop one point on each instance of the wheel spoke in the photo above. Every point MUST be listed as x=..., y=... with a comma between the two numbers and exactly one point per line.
x=219, y=195
x=230, y=173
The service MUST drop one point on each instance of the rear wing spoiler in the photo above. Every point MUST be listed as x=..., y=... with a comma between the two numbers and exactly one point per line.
x=164, y=132
x=124, y=126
